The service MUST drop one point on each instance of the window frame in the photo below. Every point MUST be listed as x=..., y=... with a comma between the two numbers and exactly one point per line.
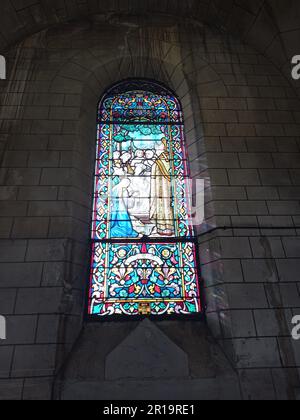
x=92, y=318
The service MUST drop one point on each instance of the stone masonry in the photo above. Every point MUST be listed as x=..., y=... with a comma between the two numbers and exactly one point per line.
x=242, y=126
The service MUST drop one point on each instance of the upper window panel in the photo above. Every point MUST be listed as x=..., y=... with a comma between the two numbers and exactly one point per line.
x=140, y=105
x=142, y=169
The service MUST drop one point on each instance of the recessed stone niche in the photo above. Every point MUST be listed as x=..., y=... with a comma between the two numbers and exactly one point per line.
x=146, y=353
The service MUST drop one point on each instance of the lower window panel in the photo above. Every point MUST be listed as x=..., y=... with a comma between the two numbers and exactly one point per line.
x=144, y=279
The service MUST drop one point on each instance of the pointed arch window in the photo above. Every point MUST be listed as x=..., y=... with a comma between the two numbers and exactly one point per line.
x=144, y=253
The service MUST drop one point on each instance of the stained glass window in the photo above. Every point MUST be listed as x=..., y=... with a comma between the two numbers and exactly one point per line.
x=144, y=258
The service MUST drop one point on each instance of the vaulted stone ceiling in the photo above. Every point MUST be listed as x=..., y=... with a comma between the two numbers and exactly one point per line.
x=272, y=26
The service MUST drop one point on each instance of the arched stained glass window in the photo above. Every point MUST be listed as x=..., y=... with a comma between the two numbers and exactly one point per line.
x=143, y=243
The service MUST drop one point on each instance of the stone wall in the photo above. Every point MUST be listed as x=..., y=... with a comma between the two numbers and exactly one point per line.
x=242, y=130
x=271, y=26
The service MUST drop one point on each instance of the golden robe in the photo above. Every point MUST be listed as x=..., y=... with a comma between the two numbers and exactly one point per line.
x=161, y=211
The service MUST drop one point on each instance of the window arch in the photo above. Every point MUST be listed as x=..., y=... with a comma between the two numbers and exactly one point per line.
x=144, y=253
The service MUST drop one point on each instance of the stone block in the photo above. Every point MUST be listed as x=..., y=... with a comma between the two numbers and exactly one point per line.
x=36, y=389
x=275, y=177
x=43, y=159
x=30, y=227
x=8, y=193
x=261, y=144
x=240, y=130
x=222, y=160
x=57, y=176
x=12, y=251
x=228, y=193
x=29, y=142
x=38, y=193
x=248, y=117
x=246, y=296
x=23, y=176
x=20, y=274
x=286, y=383
x=292, y=247
x=13, y=208
x=218, y=177
x=283, y=295
x=50, y=209
x=225, y=271
x=257, y=385
x=290, y=352
x=33, y=361
x=235, y=248
x=48, y=329
x=256, y=160
x=237, y=324
x=268, y=130
x=260, y=104
x=7, y=301
x=5, y=227
x=20, y=329
x=252, y=208
x=254, y=353
x=273, y=322
x=267, y=247
x=6, y=354
x=233, y=144
x=64, y=113
x=260, y=271
x=146, y=353
x=11, y=389
x=12, y=159
x=288, y=269
x=262, y=193
x=47, y=250
x=243, y=177
x=232, y=103
x=284, y=207
x=43, y=300
x=47, y=127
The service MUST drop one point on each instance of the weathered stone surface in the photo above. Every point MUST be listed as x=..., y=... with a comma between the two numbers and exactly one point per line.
x=207, y=389
x=146, y=353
